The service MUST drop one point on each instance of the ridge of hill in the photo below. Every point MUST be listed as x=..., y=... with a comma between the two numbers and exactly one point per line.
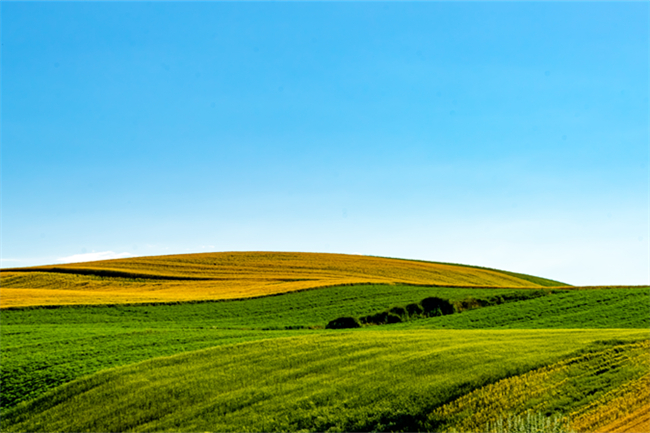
x=232, y=275
x=546, y=282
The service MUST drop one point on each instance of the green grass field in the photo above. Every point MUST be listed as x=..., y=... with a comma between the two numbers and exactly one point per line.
x=591, y=308
x=269, y=364
x=341, y=381
x=69, y=342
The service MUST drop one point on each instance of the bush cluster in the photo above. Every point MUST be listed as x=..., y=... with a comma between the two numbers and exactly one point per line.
x=343, y=322
x=430, y=307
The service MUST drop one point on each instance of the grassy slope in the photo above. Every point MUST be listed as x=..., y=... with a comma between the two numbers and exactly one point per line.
x=351, y=381
x=593, y=308
x=307, y=308
x=43, y=348
x=230, y=275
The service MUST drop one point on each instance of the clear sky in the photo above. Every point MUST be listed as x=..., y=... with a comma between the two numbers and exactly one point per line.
x=509, y=134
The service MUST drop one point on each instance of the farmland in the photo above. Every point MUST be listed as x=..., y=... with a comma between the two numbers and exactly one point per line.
x=267, y=362
x=345, y=381
x=236, y=275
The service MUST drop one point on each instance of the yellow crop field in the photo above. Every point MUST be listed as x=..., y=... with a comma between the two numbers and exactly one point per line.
x=232, y=275
x=636, y=422
x=118, y=292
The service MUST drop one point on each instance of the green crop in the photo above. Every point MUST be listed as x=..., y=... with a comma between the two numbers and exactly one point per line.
x=335, y=380
x=46, y=347
x=589, y=308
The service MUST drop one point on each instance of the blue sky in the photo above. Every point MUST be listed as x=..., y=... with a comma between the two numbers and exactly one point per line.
x=509, y=134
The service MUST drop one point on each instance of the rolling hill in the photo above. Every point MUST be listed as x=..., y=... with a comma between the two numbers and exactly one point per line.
x=346, y=381
x=212, y=276
x=240, y=342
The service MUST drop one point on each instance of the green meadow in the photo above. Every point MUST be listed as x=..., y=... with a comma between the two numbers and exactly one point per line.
x=45, y=347
x=340, y=381
x=271, y=363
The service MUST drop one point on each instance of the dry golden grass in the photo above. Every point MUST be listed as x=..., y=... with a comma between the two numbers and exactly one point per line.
x=636, y=422
x=174, y=291
x=213, y=276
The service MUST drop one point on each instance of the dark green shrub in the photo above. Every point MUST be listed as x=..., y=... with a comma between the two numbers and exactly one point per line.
x=435, y=306
x=393, y=318
x=343, y=322
x=495, y=300
x=469, y=304
x=377, y=319
x=414, y=309
x=398, y=311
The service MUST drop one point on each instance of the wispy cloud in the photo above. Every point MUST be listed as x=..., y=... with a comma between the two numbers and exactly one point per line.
x=91, y=257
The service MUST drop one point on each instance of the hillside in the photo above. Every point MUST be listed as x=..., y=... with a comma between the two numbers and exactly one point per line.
x=232, y=275
x=75, y=341
x=346, y=381
x=243, y=342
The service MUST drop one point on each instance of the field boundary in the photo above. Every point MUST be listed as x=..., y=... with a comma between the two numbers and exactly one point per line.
x=205, y=301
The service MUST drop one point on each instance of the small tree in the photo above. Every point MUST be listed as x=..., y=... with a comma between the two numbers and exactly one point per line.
x=378, y=319
x=398, y=311
x=343, y=322
x=414, y=310
x=435, y=306
x=393, y=318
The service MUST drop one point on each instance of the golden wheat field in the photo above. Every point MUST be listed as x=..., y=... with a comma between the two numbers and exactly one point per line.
x=231, y=275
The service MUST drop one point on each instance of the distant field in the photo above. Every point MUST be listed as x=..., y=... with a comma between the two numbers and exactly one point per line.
x=234, y=275
x=343, y=381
